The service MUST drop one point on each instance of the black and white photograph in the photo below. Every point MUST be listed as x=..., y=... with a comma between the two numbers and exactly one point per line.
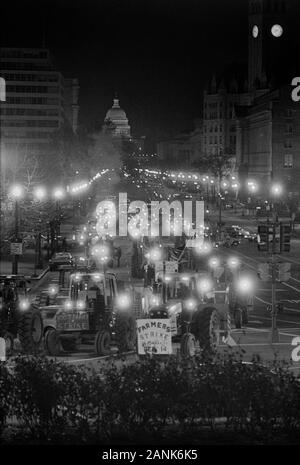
x=149, y=226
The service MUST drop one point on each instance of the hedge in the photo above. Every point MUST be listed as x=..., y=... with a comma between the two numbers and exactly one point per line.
x=42, y=401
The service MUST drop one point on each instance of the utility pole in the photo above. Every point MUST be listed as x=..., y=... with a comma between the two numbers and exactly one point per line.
x=274, y=329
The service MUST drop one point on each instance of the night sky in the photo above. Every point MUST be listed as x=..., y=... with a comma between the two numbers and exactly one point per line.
x=157, y=54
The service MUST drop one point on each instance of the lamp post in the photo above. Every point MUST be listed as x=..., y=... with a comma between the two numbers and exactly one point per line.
x=16, y=193
x=58, y=194
x=276, y=191
x=40, y=196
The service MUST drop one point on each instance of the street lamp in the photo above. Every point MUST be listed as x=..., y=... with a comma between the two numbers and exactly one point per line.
x=40, y=193
x=58, y=195
x=276, y=191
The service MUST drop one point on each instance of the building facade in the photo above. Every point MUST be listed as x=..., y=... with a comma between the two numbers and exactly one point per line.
x=38, y=102
x=269, y=141
x=219, y=119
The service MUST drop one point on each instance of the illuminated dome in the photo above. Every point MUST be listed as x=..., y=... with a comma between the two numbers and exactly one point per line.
x=116, y=117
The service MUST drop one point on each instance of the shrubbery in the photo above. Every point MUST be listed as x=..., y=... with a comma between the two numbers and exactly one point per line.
x=47, y=402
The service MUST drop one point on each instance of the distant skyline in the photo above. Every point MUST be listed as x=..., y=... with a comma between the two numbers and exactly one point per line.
x=157, y=54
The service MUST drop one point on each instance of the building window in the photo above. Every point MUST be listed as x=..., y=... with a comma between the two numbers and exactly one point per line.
x=288, y=161
x=216, y=128
x=288, y=113
x=288, y=143
x=210, y=139
x=289, y=128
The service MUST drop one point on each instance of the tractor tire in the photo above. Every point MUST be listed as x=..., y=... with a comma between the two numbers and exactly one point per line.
x=69, y=345
x=102, y=343
x=125, y=331
x=30, y=331
x=188, y=345
x=52, y=342
x=206, y=326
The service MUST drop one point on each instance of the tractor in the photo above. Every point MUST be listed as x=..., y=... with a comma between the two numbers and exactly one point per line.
x=19, y=318
x=197, y=308
x=95, y=313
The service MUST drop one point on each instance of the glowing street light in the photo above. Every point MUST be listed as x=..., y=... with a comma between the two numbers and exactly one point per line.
x=17, y=191
x=40, y=193
x=59, y=193
x=276, y=189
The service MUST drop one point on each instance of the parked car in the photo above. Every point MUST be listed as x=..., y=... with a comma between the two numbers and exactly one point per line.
x=60, y=258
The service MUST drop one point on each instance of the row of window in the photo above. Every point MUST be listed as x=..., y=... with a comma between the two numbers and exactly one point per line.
x=31, y=77
x=32, y=100
x=219, y=128
x=28, y=112
x=7, y=65
x=219, y=115
x=27, y=135
x=36, y=89
x=213, y=140
x=30, y=123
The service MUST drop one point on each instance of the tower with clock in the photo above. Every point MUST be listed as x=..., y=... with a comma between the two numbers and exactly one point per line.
x=268, y=44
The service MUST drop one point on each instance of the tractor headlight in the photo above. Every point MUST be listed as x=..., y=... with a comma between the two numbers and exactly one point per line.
x=24, y=305
x=155, y=300
x=191, y=304
x=53, y=290
x=123, y=301
x=205, y=285
x=80, y=305
x=68, y=305
x=245, y=285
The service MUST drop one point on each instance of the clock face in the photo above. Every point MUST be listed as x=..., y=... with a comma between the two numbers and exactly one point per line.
x=255, y=31
x=276, y=30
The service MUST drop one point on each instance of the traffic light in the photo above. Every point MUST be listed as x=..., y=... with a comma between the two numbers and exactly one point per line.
x=263, y=271
x=263, y=237
x=284, y=271
x=285, y=238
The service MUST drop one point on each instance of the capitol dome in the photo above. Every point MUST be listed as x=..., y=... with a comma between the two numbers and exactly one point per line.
x=117, y=116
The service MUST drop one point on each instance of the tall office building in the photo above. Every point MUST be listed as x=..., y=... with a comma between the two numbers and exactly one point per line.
x=39, y=101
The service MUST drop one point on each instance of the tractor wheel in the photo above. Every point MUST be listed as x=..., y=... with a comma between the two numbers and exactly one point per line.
x=125, y=331
x=52, y=342
x=187, y=345
x=30, y=331
x=206, y=327
x=102, y=343
x=69, y=345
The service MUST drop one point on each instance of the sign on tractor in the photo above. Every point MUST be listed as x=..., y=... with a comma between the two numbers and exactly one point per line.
x=16, y=248
x=170, y=266
x=154, y=336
